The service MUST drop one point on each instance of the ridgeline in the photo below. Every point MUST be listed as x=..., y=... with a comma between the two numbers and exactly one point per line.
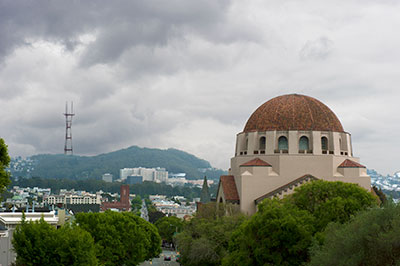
x=93, y=167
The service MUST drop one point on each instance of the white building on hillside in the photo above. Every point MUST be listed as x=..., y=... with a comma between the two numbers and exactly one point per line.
x=148, y=174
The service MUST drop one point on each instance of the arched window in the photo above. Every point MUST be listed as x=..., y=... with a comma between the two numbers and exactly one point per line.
x=247, y=144
x=262, y=143
x=324, y=143
x=303, y=144
x=283, y=143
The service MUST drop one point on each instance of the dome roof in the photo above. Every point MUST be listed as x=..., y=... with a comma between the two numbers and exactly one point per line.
x=293, y=112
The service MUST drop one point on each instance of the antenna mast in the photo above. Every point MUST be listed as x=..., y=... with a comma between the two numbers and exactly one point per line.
x=68, y=123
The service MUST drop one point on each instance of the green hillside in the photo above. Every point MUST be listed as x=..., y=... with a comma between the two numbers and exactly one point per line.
x=84, y=167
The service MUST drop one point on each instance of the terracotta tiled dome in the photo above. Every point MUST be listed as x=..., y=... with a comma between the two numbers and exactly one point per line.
x=293, y=112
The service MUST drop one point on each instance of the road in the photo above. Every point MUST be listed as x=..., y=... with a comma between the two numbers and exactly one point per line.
x=143, y=211
x=160, y=261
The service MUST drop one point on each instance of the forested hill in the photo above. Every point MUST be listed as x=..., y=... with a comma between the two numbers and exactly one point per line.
x=85, y=167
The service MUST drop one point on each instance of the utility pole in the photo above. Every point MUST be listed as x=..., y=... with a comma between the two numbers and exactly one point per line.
x=68, y=123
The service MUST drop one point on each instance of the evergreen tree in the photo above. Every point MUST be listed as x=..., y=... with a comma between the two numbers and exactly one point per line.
x=4, y=162
x=205, y=194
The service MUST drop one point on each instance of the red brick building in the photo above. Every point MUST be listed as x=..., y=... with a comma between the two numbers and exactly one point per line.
x=122, y=205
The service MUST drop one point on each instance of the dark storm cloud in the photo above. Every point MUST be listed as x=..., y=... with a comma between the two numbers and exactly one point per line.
x=188, y=74
x=117, y=25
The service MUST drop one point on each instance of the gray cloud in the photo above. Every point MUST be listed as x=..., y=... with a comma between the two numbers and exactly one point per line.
x=317, y=50
x=189, y=74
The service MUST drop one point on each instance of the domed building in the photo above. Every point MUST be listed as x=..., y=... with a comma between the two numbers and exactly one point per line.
x=287, y=141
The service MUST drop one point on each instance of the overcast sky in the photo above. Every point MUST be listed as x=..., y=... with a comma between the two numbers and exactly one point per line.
x=188, y=74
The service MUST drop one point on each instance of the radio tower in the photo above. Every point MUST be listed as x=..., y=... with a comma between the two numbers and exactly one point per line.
x=68, y=124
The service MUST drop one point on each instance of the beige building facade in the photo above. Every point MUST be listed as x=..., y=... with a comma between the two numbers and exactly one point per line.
x=287, y=141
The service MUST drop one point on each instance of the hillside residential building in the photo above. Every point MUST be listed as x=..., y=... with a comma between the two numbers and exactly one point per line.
x=148, y=174
x=107, y=177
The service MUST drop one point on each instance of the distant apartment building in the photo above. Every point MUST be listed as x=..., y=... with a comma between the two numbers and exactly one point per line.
x=134, y=179
x=71, y=198
x=148, y=174
x=107, y=177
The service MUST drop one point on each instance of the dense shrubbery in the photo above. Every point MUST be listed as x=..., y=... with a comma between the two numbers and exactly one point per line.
x=108, y=238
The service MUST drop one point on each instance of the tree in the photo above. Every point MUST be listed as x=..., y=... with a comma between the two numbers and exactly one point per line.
x=38, y=243
x=34, y=243
x=205, y=194
x=278, y=234
x=371, y=238
x=121, y=238
x=136, y=205
x=75, y=246
x=382, y=197
x=204, y=241
x=168, y=227
x=331, y=201
x=154, y=216
x=4, y=162
x=281, y=232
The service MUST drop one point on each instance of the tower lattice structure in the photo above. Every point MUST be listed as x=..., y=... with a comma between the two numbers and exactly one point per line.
x=68, y=133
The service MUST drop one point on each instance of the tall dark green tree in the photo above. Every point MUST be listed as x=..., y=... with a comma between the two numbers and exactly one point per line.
x=278, y=234
x=121, y=238
x=4, y=162
x=168, y=227
x=371, y=238
x=331, y=201
x=205, y=194
x=38, y=243
x=204, y=241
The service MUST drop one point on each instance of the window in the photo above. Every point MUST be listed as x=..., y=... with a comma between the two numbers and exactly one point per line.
x=283, y=143
x=324, y=143
x=303, y=144
x=262, y=143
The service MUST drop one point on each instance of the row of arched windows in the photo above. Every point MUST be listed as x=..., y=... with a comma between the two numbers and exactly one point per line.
x=283, y=144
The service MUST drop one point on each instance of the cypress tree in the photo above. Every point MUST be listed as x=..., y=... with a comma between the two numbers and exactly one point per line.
x=205, y=194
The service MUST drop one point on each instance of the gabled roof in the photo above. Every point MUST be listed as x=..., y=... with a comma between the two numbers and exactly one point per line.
x=256, y=162
x=279, y=190
x=229, y=187
x=350, y=164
